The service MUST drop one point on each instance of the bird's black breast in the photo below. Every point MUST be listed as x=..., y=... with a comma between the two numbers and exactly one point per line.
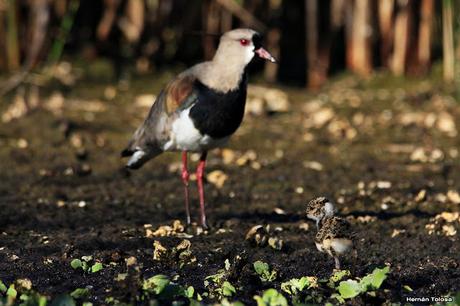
x=218, y=114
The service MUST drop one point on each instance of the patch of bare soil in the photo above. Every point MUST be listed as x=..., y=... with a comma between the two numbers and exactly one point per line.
x=387, y=156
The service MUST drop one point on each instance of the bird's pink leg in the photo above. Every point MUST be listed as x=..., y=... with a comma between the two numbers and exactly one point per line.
x=185, y=177
x=199, y=177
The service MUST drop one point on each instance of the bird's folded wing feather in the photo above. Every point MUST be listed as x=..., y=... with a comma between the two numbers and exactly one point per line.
x=344, y=230
x=154, y=132
x=179, y=93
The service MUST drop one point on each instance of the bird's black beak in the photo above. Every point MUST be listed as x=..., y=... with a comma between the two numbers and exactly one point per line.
x=262, y=53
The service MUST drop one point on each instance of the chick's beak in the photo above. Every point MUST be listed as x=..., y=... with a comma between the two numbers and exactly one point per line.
x=262, y=53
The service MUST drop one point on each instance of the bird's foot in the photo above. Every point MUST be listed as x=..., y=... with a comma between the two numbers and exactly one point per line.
x=204, y=224
x=188, y=221
x=196, y=229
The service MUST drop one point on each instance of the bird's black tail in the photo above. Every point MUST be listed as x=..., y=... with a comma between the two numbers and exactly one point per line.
x=126, y=152
x=137, y=158
x=140, y=149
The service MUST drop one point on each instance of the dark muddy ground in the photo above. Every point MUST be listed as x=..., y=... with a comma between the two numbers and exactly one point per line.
x=387, y=155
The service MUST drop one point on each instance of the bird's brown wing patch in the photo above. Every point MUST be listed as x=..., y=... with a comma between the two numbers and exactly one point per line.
x=178, y=91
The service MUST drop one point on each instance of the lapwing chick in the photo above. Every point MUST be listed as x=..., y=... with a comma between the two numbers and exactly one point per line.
x=335, y=237
x=199, y=109
x=319, y=208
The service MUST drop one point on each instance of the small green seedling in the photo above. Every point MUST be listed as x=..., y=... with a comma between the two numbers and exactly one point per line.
x=96, y=267
x=228, y=289
x=337, y=276
x=193, y=296
x=113, y=301
x=225, y=302
x=3, y=287
x=215, y=278
x=408, y=288
x=189, y=292
x=218, y=285
x=351, y=288
x=296, y=285
x=11, y=292
x=33, y=299
x=220, y=275
x=271, y=297
x=375, y=279
x=76, y=263
x=85, y=263
x=263, y=270
x=162, y=288
x=155, y=284
x=80, y=293
x=21, y=293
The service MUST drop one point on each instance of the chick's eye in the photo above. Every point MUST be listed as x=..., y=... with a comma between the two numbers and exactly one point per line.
x=244, y=42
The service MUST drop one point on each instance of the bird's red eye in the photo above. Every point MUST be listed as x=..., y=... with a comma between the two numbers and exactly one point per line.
x=244, y=42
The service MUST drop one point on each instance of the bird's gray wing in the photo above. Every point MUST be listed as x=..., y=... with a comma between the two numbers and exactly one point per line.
x=148, y=140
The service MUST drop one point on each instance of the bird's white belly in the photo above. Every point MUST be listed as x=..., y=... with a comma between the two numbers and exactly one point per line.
x=185, y=137
x=341, y=245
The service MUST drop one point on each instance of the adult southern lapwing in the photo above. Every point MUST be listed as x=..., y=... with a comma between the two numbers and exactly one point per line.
x=199, y=109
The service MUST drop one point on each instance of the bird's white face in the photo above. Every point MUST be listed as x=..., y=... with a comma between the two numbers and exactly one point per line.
x=253, y=46
x=239, y=49
x=241, y=45
x=247, y=47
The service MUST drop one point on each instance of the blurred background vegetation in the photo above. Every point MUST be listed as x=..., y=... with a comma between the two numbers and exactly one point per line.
x=44, y=40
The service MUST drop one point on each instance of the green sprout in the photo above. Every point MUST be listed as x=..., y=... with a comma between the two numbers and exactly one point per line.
x=408, y=288
x=351, y=288
x=375, y=279
x=33, y=299
x=193, y=296
x=337, y=276
x=80, y=293
x=225, y=302
x=76, y=263
x=11, y=292
x=21, y=293
x=228, y=289
x=218, y=284
x=190, y=292
x=156, y=284
x=85, y=264
x=263, y=270
x=163, y=289
x=296, y=285
x=96, y=267
x=3, y=287
x=271, y=297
